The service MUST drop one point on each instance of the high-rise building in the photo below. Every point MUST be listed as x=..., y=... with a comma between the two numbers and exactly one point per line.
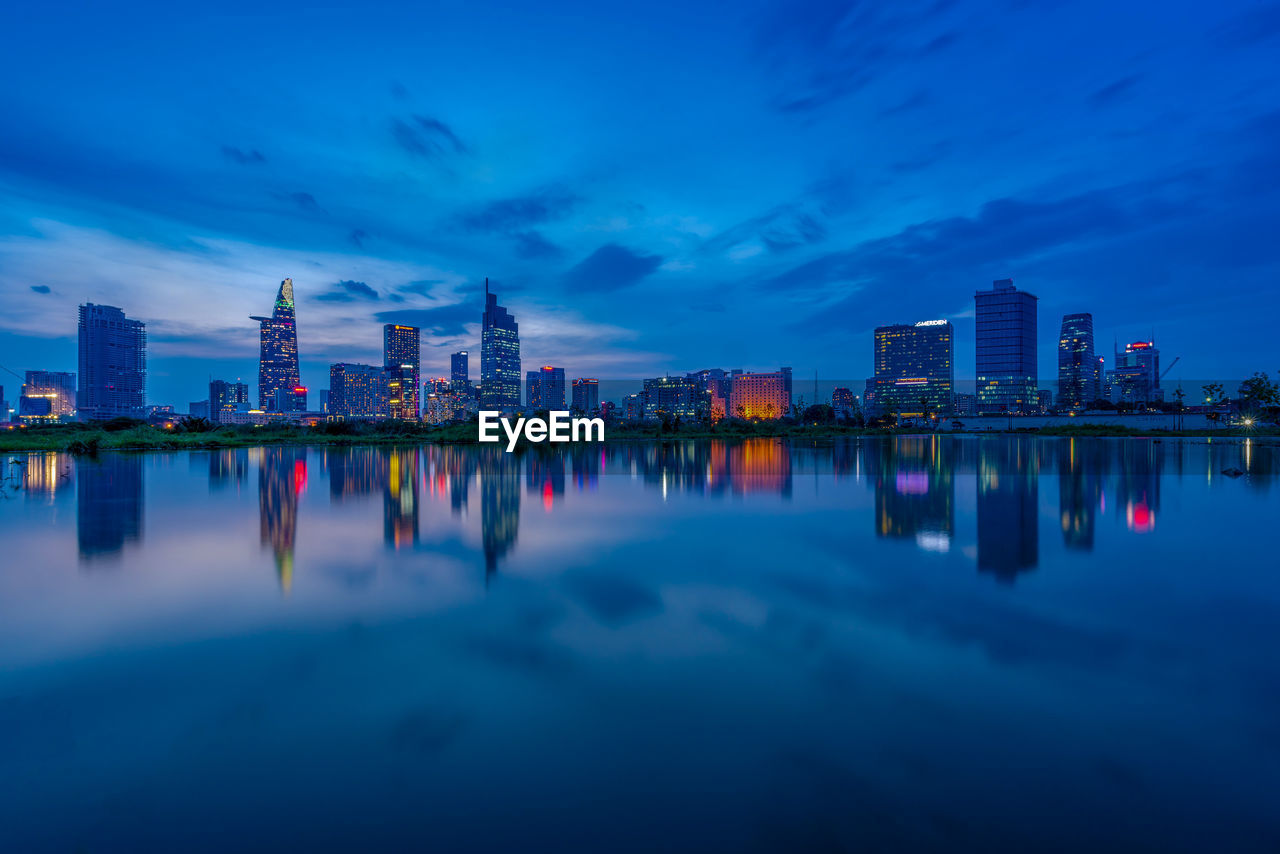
x=843, y=403
x=278, y=349
x=459, y=370
x=46, y=396
x=1136, y=376
x=1077, y=363
x=1006, y=348
x=113, y=364
x=499, y=356
x=915, y=372
x=227, y=397
x=682, y=397
x=4, y=407
x=764, y=396
x=717, y=385
x=402, y=357
x=586, y=396
x=544, y=388
x=354, y=390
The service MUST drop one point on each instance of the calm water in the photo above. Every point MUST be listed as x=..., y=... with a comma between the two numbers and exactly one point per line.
x=933, y=643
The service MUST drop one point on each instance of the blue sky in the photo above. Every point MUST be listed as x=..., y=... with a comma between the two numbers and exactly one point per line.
x=656, y=187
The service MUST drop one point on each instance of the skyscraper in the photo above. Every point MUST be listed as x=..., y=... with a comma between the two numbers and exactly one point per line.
x=46, y=396
x=915, y=372
x=766, y=396
x=1136, y=376
x=1006, y=348
x=459, y=371
x=402, y=356
x=499, y=356
x=586, y=396
x=354, y=390
x=278, y=351
x=225, y=396
x=1077, y=364
x=113, y=364
x=545, y=388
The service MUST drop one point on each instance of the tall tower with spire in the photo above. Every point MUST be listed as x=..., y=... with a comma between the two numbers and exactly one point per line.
x=278, y=353
x=499, y=356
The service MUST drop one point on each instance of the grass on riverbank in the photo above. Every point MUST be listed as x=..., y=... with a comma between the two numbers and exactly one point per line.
x=88, y=439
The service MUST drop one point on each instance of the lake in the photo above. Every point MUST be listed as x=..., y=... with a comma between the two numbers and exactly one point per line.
x=960, y=643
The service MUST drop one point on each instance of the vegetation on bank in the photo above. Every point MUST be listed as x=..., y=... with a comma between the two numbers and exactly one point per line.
x=126, y=434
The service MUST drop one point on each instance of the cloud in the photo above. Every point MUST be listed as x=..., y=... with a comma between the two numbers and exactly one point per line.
x=306, y=201
x=610, y=268
x=781, y=229
x=1113, y=90
x=504, y=216
x=244, y=158
x=348, y=290
x=443, y=320
x=533, y=246
x=1259, y=24
x=357, y=237
x=41, y=289
x=426, y=137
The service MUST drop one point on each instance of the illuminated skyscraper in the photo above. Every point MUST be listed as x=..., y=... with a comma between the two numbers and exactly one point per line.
x=545, y=388
x=586, y=396
x=1136, y=376
x=225, y=396
x=113, y=364
x=402, y=355
x=1006, y=348
x=46, y=396
x=278, y=350
x=459, y=370
x=1077, y=364
x=354, y=390
x=915, y=372
x=499, y=356
x=765, y=396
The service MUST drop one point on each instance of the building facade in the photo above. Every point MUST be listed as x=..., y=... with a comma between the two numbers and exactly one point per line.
x=1136, y=375
x=499, y=356
x=586, y=396
x=278, y=349
x=544, y=388
x=402, y=358
x=113, y=364
x=354, y=390
x=460, y=370
x=760, y=396
x=226, y=397
x=1005, y=321
x=915, y=371
x=674, y=397
x=47, y=396
x=1077, y=362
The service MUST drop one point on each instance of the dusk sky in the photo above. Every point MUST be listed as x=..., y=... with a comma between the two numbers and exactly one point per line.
x=650, y=188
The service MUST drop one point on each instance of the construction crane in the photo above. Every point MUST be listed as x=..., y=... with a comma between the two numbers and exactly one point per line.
x=1170, y=368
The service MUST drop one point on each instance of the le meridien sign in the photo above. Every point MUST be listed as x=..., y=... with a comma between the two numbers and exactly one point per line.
x=557, y=427
x=931, y=323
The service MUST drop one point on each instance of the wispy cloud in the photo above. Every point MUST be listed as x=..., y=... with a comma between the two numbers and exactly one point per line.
x=610, y=268
x=426, y=137
x=244, y=158
x=348, y=290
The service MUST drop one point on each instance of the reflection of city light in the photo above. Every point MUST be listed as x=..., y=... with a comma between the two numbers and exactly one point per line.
x=933, y=541
x=299, y=476
x=1141, y=518
x=547, y=497
x=912, y=483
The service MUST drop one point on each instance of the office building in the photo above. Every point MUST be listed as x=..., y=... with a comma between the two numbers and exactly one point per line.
x=113, y=364
x=843, y=403
x=460, y=370
x=760, y=396
x=544, y=388
x=402, y=357
x=278, y=349
x=226, y=397
x=586, y=396
x=915, y=372
x=47, y=396
x=1005, y=320
x=1077, y=362
x=354, y=390
x=499, y=356
x=1136, y=376
x=674, y=397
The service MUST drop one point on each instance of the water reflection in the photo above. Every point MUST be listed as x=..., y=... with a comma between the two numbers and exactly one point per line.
x=109, y=499
x=1008, y=494
x=915, y=490
x=282, y=477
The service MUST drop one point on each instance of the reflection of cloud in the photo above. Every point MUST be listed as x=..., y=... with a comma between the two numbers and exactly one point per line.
x=612, y=598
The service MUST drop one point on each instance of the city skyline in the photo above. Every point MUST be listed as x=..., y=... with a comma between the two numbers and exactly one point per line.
x=640, y=224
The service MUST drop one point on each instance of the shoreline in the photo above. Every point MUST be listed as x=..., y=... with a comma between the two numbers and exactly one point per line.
x=87, y=441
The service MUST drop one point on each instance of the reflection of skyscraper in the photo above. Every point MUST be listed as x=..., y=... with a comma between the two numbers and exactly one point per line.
x=544, y=476
x=915, y=491
x=400, y=499
x=108, y=504
x=282, y=476
x=1008, y=493
x=760, y=465
x=1138, y=484
x=499, y=356
x=278, y=349
x=1079, y=491
x=499, y=506
x=226, y=467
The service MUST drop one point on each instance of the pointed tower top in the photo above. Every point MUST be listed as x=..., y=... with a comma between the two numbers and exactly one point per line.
x=286, y=293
